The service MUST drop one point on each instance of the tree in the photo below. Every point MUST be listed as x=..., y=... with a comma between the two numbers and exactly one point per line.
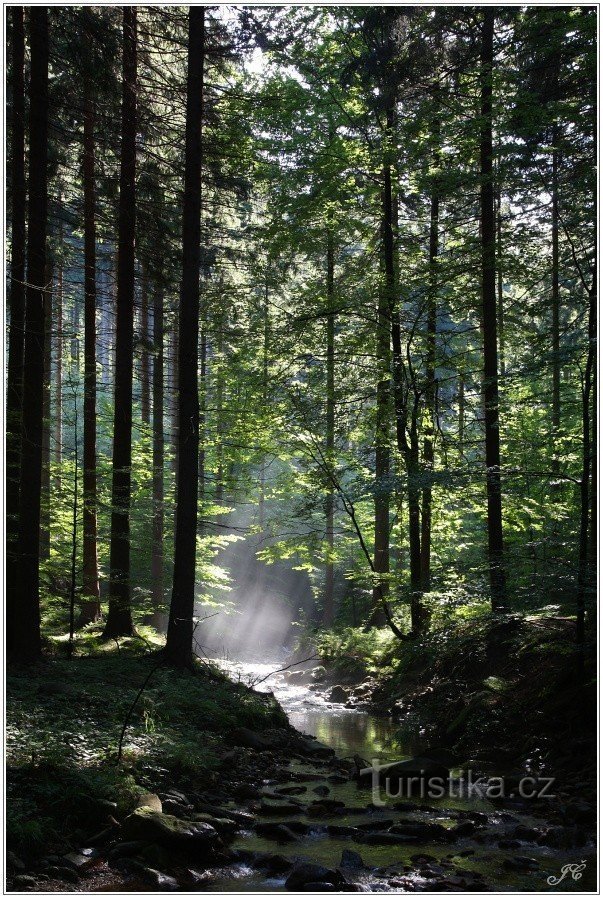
x=119, y=619
x=27, y=641
x=489, y=313
x=14, y=378
x=180, y=627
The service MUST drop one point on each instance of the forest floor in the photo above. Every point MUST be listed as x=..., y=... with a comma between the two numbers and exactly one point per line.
x=204, y=758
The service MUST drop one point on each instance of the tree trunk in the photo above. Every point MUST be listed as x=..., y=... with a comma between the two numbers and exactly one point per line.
x=45, y=498
x=175, y=403
x=180, y=627
x=555, y=344
x=488, y=241
x=262, y=497
x=145, y=384
x=499, y=283
x=27, y=644
x=58, y=377
x=202, y=420
x=14, y=378
x=119, y=619
x=158, y=460
x=90, y=610
x=219, y=493
x=328, y=605
x=430, y=371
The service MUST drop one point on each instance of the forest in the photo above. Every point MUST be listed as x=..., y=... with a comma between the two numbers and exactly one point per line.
x=301, y=447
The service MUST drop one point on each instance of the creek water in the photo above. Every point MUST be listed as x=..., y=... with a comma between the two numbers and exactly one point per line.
x=481, y=863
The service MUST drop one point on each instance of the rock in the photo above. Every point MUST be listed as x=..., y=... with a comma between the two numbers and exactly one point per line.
x=317, y=887
x=67, y=874
x=246, y=791
x=386, y=838
x=351, y=860
x=324, y=806
x=280, y=832
x=294, y=790
x=176, y=808
x=275, y=863
x=80, y=859
x=338, y=694
x=250, y=739
x=304, y=873
x=580, y=812
x=425, y=832
x=319, y=674
x=337, y=779
x=463, y=830
x=174, y=794
x=157, y=881
x=14, y=862
x=321, y=790
x=509, y=844
x=269, y=808
x=314, y=748
x=165, y=829
x=223, y=825
x=24, y=882
x=125, y=849
x=525, y=833
x=150, y=800
x=241, y=817
x=520, y=864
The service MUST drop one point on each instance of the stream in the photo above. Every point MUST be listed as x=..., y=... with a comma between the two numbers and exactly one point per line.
x=499, y=853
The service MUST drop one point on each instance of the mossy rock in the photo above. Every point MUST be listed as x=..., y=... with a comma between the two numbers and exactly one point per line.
x=166, y=830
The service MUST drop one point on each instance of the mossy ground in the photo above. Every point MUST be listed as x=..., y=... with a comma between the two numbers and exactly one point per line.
x=64, y=719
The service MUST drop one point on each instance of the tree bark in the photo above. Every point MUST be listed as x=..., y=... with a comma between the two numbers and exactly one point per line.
x=45, y=498
x=329, y=599
x=488, y=243
x=119, y=619
x=14, y=379
x=58, y=376
x=180, y=627
x=90, y=610
x=430, y=371
x=145, y=384
x=157, y=560
x=555, y=341
x=27, y=643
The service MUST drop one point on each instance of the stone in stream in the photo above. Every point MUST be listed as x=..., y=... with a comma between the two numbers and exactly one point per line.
x=321, y=790
x=269, y=808
x=338, y=694
x=315, y=749
x=224, y=825
x=150, y=800
x=304, y=873
x=295, y=790
x=164, y=829
x=386, y=838
x=280, y=832
x=521, y=864
x=337, y=779
x=79, y=860
x=155, y=879
x=351, y=860
x=250, y=739
x=275, y=863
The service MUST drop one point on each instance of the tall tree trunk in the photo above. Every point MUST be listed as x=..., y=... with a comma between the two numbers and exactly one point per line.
x=27, y=644
x=90, y=610
x=119, y=619
x=178, y=647
x=58, y=375
x=499, y=283
x=219, y=494
x=45, y=498
x=555, y=342
x=329, y=605
x=430, y=371
x=157, y=572
x=202, y=419
x=14, y=385
x=175, y=402
x=586, y=578
x=145, y=384
x=461, y=408
x=262, y=497
x=488, y=240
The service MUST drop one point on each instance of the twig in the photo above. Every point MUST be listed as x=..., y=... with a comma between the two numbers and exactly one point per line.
x=280, y=669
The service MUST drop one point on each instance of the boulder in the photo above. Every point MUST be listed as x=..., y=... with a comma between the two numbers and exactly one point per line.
x=224, y=825
x=24, y=883
x=521, y=864
x=275, y=863
x=319, y=674
x=167, y=830
x=155, y=879
x=351, y=860
x=280, y=832
x=338, y=694
x=425, y=832
x=276, y=808
x=321, y=790
x=170, y=806
x=150, y=800
x=79, y=860
x=304, y=873
x=294, y=790
x=13, y=862
x=315, y=749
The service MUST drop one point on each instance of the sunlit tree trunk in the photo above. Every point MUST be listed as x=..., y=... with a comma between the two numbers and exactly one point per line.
x=45, y=498
x=119, y=619
x=488, y=241
x=145, y=383
x=180, y=627
x=58, y=375
x=328, y=606
x=90, y=609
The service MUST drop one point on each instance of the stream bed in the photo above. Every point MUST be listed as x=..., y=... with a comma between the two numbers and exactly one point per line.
x=499, y=846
